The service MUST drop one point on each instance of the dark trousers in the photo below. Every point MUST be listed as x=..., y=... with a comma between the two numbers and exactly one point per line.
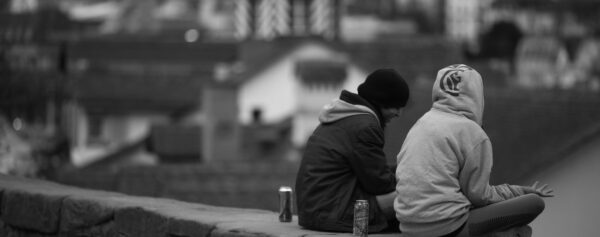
x=501, y=216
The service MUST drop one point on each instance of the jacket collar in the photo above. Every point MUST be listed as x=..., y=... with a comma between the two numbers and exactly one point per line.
x=356, y=99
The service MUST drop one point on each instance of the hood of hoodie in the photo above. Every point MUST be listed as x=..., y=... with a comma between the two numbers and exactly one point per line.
x=458, y=89
x=347, y=105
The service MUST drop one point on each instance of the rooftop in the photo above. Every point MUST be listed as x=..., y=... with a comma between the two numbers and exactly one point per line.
x=120, y=76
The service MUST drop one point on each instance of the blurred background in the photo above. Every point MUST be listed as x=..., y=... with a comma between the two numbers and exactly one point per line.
x=212, y=101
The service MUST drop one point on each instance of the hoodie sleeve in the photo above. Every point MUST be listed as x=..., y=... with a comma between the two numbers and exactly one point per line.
x=474, y=178
x=369, y=163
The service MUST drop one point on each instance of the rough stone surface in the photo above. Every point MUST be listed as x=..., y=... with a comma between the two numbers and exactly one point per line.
x=37, y=208
x=82, y=212
x=32, y=207
x=129, y=221
x=258, y=227
x=31, y=210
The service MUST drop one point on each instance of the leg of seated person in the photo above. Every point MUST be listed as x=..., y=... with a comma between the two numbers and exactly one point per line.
x=504, y=215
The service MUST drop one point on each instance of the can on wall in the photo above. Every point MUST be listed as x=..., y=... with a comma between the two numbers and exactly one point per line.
x=361, y=218
x=285, y=204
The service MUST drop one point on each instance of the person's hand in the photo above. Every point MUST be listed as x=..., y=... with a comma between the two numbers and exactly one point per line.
x=542, y=191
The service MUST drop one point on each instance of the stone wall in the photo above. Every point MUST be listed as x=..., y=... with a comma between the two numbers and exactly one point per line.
x=235, y=184
x=44, y=209
x=36, y=208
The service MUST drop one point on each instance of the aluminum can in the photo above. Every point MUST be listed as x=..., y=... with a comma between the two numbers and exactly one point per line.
x=285, y=204
x=361, y=218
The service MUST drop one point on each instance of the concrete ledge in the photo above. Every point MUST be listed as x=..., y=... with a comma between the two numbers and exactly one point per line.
x=32, y=207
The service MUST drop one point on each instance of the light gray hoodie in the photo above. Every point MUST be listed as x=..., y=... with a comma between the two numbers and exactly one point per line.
x=445, y=162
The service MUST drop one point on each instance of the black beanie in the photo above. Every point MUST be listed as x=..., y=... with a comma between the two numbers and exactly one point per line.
x=386, y=88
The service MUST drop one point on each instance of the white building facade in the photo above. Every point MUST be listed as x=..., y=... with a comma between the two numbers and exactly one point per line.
x=280, y=93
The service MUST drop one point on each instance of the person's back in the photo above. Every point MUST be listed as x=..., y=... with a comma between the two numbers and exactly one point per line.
x=329, y=161
x=429, y=170
x=343, y=160
x=444, y=168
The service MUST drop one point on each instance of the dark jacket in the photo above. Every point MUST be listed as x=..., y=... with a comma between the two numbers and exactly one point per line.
x=343, y=161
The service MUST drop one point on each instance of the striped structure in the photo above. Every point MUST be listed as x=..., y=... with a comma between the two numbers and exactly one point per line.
x=271, y=19
x=242, y=16
x=267, y=19
x=321, y=18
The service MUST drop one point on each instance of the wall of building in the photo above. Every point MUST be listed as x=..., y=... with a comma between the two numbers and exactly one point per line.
x=128, y=128
x=271, y=91
x=221, y=129
x=275, y=89
x=314, y=98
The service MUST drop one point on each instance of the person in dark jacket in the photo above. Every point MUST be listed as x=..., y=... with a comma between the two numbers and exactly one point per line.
x=343, y=160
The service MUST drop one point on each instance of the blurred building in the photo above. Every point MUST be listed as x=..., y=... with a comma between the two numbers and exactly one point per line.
x=32, y=62
x=544, y=62
x=164, y=93
x=217, y=19
x=294, y=83
x=267, y=19
x=110, y=92
x=464, y=18
x=365, y=21
x=345, y=20
x=561, y=17
x=33, y=86
x=285, y=83
x=541, y=62
x=467, y=19
x=550, y=55
x=531, y=43
x=585, y=72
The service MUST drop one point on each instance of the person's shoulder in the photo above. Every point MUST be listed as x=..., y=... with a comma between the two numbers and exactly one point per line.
x=361, y=125
x=454, y=124
x=361, y=121
x=471, y=130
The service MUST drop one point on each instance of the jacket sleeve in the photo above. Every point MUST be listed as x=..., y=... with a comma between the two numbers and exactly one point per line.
x=369, y=163
x=474, y=178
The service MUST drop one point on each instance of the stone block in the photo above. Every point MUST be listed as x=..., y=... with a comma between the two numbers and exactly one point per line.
x=39, y=212
x=191, y=220
x=102, y=230
x=137, y=221
x=85, y=210
x=4, y=229
x=80, y=212
x=263, y=227
x=189, y=228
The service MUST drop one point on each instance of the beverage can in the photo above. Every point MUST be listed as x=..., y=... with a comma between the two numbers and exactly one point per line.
x=285, y=204
x=361, y=218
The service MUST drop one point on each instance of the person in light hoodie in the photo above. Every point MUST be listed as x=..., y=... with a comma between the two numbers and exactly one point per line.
x=443, y=168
